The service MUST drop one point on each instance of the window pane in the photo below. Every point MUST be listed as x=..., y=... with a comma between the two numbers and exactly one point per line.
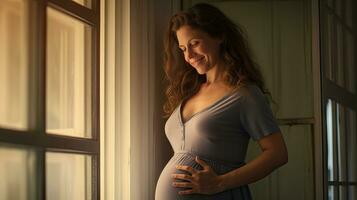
x=341, y=142
x=68, y=176
x=68, y=83
x=352, y=192
x=14, y=63
x=339, y=64
x=331, y=193
x=350, y=62
x=352, y=147
x=331, y=138
x=17, y=172
x=86, y=3
x=328, y=49
x=343, y=193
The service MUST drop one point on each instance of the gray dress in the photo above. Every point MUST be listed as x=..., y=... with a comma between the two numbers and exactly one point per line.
x=219, y=135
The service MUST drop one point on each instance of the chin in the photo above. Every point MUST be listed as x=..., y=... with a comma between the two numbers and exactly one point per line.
x=201, y=70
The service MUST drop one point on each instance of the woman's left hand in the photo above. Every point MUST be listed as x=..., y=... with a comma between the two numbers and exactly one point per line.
x=204, y=181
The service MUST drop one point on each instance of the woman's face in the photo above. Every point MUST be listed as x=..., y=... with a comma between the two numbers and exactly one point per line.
x=200, y=50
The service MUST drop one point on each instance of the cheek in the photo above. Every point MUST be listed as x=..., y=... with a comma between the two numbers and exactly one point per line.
x=202, y=50
x=207, y=50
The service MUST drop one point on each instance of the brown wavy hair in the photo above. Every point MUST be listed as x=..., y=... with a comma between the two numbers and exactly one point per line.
x=182, y=79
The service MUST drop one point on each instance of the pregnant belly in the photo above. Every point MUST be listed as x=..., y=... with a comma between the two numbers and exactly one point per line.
x=165, y=190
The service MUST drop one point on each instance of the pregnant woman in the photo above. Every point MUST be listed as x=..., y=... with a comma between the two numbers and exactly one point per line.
x=216, y=102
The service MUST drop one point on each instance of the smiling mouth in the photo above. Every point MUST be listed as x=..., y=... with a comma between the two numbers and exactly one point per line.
x=197, y=61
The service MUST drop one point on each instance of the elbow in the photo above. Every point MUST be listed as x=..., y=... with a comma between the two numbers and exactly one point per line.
x=280, y=158
x=284, y=159
x=280, y=162
x=283, y=156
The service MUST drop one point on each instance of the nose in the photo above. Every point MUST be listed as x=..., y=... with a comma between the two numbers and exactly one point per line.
x=189, y=53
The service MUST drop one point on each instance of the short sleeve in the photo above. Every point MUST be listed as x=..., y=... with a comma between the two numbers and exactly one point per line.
x=255, y=114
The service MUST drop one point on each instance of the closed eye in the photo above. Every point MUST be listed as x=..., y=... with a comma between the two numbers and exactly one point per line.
x=194, y=43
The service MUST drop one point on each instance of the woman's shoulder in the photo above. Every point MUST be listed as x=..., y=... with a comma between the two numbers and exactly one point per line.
x=251, y=93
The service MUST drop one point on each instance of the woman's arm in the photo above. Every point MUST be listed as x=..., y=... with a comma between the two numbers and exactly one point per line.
x=274, y=154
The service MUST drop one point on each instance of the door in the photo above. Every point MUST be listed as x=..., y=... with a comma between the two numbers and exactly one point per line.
x=279, y=32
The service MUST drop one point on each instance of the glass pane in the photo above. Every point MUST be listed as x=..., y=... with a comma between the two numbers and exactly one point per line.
x=331, y=138
x=331, y=193
x=86, y=3
x=328, y=47
x=341, y=142
x=68, y=100
x=68, y=176
x=343, y=193
x=350, y=62
x=17, y=172
x=14, y=63
x=339, y=64
x=352, y=192
x=352, y=147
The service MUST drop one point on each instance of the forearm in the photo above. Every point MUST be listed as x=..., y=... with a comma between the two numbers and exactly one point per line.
x=253, y=171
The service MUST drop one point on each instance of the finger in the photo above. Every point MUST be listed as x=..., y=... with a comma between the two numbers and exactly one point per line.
x=186, y=192
x=186, y=168
x=202, y=163
x=182, y=177
x=182, y=184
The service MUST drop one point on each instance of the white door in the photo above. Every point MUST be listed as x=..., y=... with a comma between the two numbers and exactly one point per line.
x=279, y=33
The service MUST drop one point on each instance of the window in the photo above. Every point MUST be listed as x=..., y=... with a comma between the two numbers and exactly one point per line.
x=339, y=75
x=49, y=99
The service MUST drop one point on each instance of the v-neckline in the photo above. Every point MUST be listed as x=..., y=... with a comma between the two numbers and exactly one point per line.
x=204, y=109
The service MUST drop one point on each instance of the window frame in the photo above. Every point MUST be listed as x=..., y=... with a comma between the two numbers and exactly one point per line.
x=340, y=97
x=36, y=136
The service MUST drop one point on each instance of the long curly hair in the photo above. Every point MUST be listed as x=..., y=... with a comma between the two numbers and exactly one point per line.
x=182, y=79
